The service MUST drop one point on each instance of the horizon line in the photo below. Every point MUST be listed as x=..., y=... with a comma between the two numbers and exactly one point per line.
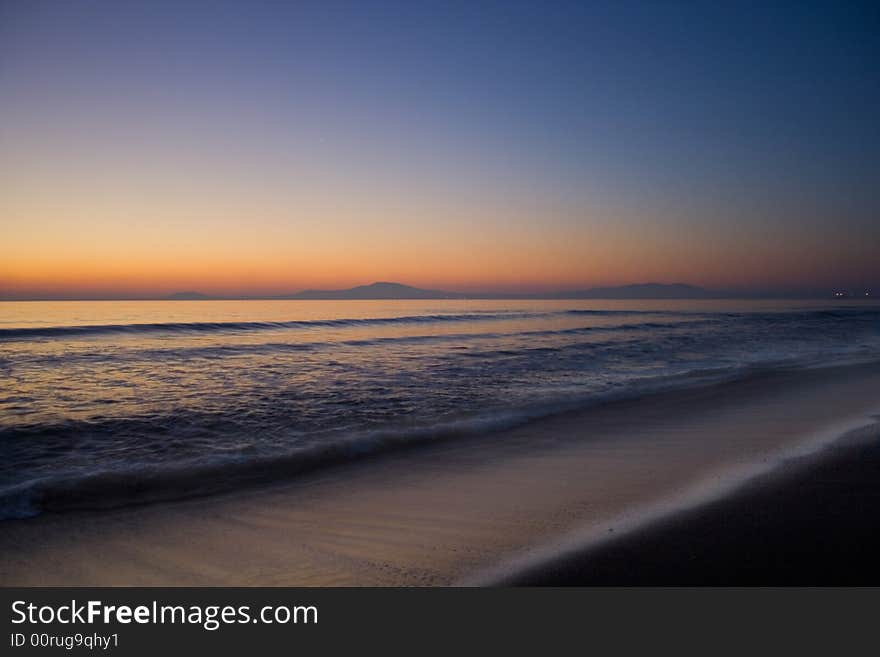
x=834, y=292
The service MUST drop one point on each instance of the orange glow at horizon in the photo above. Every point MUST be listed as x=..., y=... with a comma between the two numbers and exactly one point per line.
x=70, y=265
x=265, y=150
x=144, y=233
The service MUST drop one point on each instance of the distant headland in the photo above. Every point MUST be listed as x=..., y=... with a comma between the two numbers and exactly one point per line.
x=389, y=290
x=386, y=290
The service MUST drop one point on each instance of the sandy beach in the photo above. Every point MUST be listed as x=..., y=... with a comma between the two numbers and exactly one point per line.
x=814, y=523
x=520, y=506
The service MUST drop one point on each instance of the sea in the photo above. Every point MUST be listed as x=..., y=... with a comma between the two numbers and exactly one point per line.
x=110, y=403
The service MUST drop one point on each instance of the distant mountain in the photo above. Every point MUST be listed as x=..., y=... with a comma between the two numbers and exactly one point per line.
x=386, y=290
x=379, y=290
x=643, y=291
x=188, y=296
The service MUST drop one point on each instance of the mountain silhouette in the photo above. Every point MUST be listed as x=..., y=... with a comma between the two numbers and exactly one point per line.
x=378, y=290
x=389, y=290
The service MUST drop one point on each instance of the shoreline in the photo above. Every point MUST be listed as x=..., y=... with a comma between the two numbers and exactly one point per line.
x=107, y=490
x=569, y=559
x=815, y=522
x=452, y=511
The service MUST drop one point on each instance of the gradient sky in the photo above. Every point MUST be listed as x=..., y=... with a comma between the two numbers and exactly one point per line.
x=266, y=147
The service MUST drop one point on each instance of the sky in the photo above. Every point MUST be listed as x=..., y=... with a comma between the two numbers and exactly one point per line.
x=266, y=147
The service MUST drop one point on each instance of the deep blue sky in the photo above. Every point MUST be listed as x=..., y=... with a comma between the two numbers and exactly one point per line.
x=731, y=144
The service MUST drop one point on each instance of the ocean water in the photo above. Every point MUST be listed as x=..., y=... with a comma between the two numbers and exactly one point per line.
x=116, y=402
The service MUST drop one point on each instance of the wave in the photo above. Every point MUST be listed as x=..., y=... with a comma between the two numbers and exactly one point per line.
x=179, y=352
x=30, y=332
x=86, y=330
x=202, y=327
x=127, y=486
x=139, y=485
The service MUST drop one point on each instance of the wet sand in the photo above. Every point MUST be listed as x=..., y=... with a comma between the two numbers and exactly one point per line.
x=477, y=510
x=815, y=524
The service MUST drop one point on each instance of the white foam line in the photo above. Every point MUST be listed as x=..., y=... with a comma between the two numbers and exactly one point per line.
x=705, y=491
